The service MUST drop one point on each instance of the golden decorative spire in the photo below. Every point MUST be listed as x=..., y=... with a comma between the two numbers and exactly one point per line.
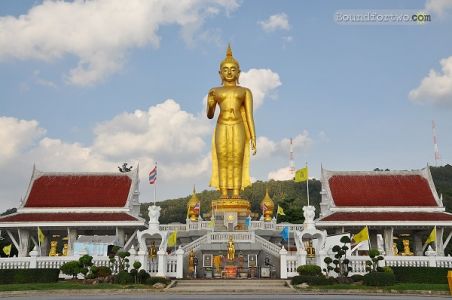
x=267, y=205
x=229, y=58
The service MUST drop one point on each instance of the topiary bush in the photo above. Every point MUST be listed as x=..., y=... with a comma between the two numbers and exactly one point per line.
x=379, y=279
x=143, y=276
x=375, y=257
x=71, y=268
x=123, y=277
x=357, y=278
x=420, y=274
x=309, y=270
x=100, y=271
x=8, y=276
x=312, y=280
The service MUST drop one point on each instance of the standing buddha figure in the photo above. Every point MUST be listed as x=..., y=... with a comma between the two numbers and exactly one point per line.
x=234, y=130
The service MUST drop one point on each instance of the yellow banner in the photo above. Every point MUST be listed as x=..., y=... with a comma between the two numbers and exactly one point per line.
x=301, y=175
x=361, y=236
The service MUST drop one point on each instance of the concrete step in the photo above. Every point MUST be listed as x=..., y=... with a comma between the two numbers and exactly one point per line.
x=232, y=286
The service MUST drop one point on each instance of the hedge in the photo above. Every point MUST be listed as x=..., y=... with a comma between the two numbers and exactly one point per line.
x=309, y=270
x=28, y=275
x=379, y=279
x=420, y=274
x=312, y=280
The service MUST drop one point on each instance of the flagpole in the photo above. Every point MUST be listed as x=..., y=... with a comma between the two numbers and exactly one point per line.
x=39, y=243
x=307, y=181
x=155, y=185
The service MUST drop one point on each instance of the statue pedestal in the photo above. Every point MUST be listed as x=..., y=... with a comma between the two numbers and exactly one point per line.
x=230, y=214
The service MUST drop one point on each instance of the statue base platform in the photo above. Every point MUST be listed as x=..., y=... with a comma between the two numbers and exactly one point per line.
x=230, y=214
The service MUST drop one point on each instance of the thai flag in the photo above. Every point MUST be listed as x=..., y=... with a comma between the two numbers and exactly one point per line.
x=196, y=207
x=153, y=175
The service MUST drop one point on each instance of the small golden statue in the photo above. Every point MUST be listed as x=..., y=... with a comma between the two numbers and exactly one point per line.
x=217, y=260
x=234, y=130
x=65, y=249
x=193, y=207
x=406, y=248
x=152, y=251
x=310, y=250
x=53, y=248
x=191, y=263
x=395, y=250
x=231, y=249
x=267, y=207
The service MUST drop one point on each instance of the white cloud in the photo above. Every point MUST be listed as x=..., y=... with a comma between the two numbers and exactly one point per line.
x=281, y=174
x=275, y=22
x=16, y=136
x=436, y=88
x=261, y=82
x=99, y=33
x=438, y=7
x=268, y=148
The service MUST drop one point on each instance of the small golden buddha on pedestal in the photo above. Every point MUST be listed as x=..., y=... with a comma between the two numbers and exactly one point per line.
x=231, y=249
x=310, y=250
x=53, y=248
x=406, y=248
x=153, y=251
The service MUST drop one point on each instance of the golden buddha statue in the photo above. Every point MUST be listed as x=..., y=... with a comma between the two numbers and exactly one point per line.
x=65, y=249
x=191, y=262
x=193, y=207
x=234, y=130
x=231, y=249
x=153, y=251
x=406, y=248
x=53, y=248
x=267, y=207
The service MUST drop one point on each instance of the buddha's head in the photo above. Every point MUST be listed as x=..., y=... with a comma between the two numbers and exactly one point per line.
x=229, y=68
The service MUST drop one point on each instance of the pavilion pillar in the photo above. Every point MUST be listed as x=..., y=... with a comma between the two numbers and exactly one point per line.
x=418, y=246
x=72, y=238
x=439, y=241
x=373, y=239
x=162, y=263
x=120, y=236
x=388, y=237
x=24, y=237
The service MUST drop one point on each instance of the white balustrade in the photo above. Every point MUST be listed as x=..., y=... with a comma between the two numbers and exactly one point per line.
x=292, y=265
x=358, y=264
x=171, y=266
x=268, y=246
x=237, y=236
x=407, y=261
x=194, y=244
x=153, y=267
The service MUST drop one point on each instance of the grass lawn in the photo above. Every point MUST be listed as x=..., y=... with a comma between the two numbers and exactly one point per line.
x=68, y=285
x=396, y=287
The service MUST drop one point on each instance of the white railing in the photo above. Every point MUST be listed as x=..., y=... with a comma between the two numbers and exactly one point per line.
x=408, y=261
x=292, y=262
x=268, y=246
x=444, y=262
x=194, y=244
x=173, y=227
x=237, y=237
x=53, y=262
x=358, y=264
x=292, y=227
x=153, y=267
x=171, y=266
x=15, y=263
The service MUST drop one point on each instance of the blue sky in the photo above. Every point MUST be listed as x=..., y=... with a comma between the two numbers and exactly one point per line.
x=84, y=86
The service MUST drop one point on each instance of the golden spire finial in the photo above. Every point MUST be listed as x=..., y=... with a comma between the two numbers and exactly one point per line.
x=229, y=58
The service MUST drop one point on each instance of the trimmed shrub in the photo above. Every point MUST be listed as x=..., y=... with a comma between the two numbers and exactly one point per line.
x=312, y=280
x=143, y=276
x=420, y=274
x=309, y=270
x=379, y=279
x=357, y=277
x=28, y=275
x=154, y=280
x=123, y=277
x=101, y=271
x=71, y=268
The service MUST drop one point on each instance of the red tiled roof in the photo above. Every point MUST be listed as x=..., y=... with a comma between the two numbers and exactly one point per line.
x=67, y=217
x=388, y=216
x=381, y=190
x=79, y=191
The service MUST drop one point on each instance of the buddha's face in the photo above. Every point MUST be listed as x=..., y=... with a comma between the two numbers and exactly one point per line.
x=229, y=72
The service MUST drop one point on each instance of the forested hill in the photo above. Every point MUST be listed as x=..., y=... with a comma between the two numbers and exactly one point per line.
x=291, y=196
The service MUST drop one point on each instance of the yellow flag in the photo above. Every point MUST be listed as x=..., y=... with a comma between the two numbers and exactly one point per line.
x=280, y=211
x=41, y=236
x=172, y=239
x=301, y=175
x=432, y=236
x=7, y=249
x=363, y=235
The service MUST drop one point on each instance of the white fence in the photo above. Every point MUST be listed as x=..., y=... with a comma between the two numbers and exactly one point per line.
x=237, y=237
